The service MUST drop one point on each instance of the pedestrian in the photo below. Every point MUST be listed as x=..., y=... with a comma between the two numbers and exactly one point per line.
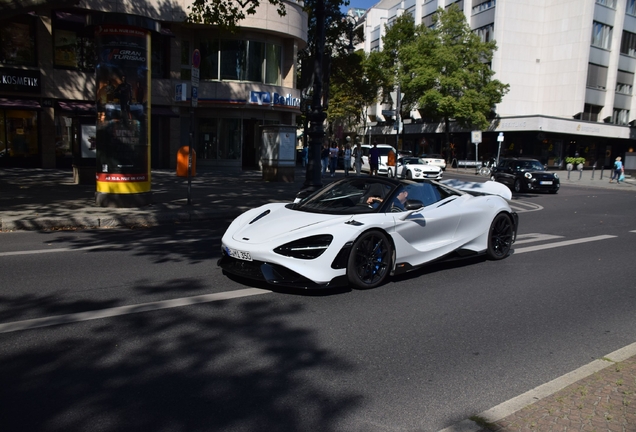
x=305, y=155
x=347, y=159
x=324, y=157
x=618, y=170
x=374, y=159
x=391, y=163
x=358, y=158
x=333, y=157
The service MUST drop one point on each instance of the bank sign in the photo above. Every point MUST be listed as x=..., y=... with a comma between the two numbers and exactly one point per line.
x=20, y=80
x=273, y=98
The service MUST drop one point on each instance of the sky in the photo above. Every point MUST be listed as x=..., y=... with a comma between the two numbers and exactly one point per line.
x=362, y=4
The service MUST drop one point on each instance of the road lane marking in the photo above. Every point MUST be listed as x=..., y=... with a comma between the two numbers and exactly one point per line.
x=535, y=237
x=563, y=243
x=127, y=310
x=524, y=206
x=113, y=246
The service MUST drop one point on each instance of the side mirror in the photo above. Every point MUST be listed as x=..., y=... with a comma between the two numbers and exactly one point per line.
x=413, y=205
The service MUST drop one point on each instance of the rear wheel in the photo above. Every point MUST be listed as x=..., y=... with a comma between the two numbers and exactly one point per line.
x=500, y=237
x=370, y=260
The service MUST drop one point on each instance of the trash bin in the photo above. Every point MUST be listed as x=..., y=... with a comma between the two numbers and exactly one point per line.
x=182, y=161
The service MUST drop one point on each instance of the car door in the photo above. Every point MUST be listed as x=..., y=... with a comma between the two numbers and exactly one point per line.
x=504, y=173
x=429, y=232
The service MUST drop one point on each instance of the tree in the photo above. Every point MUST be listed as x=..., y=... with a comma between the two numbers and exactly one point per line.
x=455, y=80
x=227, y=14
x=354, y=85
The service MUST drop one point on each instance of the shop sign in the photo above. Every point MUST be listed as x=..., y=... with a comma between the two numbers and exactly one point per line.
x=20, y=80
x=266, y=98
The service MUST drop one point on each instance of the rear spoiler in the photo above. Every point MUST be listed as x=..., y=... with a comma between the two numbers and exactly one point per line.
x=480, y=188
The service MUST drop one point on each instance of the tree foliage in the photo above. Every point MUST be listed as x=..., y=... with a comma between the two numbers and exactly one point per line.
x=444, y=71
x=354, y=85
x=227, y=14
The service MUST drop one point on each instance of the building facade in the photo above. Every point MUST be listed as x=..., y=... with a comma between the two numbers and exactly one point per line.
x=570, y=65
x=48, y=89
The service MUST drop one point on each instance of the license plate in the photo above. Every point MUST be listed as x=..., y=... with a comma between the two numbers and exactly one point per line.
x=546, y=182
x=245, y=256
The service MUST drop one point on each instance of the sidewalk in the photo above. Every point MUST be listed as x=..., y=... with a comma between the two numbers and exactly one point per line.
x=39, y=199
x=598, y=397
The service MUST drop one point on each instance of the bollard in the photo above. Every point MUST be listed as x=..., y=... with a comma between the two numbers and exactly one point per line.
x=593, y=169
x=602, y=168
x=580, y=173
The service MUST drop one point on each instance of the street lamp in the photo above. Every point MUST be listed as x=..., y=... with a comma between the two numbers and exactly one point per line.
x=316, y=115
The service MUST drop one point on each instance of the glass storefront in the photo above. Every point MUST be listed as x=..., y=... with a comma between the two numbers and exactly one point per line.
x=19, y=135
x=219, y=139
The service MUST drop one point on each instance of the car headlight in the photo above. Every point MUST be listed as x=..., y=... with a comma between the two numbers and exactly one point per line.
x=417, y=170
x=528, y=175
x=556, y=176
x=306, y=248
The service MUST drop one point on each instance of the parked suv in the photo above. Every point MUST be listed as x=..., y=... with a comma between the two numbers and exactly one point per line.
x=524, y=174
x=384, y=153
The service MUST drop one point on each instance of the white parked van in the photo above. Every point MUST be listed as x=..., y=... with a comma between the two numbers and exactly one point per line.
x=384, y=154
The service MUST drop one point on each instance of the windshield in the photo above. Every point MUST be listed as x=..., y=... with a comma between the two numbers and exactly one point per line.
x=413, y=161
x=372, y=195
x=529, y=166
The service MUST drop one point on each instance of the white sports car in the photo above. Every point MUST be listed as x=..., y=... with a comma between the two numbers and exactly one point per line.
x=414, y=168
x=359, y=230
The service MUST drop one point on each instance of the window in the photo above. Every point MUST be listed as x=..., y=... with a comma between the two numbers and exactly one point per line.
x=631, y=7
x=608, y=3
x=601, y=35
x=255, y=61
x=596, y=76
x=628, y=44
x=209, y=59
x=624, y=82
x=159, y=55
x=233, y=59
x=484, y=5
x=486, y=33
x=620, y=116
x=17, y=42
x=272, y=64
x=240, y=61
x=73, y=44
x=591, y=112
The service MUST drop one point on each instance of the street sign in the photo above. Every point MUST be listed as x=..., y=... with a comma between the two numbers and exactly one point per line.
x=475, y=137
x=196, y=62
x=195, y=96
x=500, y=138
x=195, y=77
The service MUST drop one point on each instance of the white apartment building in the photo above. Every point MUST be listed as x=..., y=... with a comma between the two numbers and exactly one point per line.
x=570, y=65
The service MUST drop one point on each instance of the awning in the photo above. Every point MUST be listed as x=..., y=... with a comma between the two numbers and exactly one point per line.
x=165, y=111
x=19, y=104
x=79, y=108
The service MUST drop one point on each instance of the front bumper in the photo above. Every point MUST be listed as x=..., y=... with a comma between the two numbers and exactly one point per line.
x=273, y=274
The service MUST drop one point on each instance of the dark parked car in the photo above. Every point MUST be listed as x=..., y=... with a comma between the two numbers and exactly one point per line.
x=524, y=174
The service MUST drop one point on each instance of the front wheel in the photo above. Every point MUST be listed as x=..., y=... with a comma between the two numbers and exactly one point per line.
x=390, y=173
x=517, y=186
x=500, y=237
x=370, y=260
x=484, y=171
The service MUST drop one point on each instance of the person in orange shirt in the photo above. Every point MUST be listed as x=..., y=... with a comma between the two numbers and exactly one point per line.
x=391, y=162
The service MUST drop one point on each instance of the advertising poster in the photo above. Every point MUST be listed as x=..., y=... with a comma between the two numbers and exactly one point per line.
x=89, y=141
x=122, y=100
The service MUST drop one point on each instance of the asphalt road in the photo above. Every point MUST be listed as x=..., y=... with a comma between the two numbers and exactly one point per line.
x=420, y=353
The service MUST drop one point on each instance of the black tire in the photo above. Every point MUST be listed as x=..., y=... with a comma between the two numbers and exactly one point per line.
x=370, y=260
x=517, y=186
x=390, y=173
x=409, y=175
x=500, y=237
